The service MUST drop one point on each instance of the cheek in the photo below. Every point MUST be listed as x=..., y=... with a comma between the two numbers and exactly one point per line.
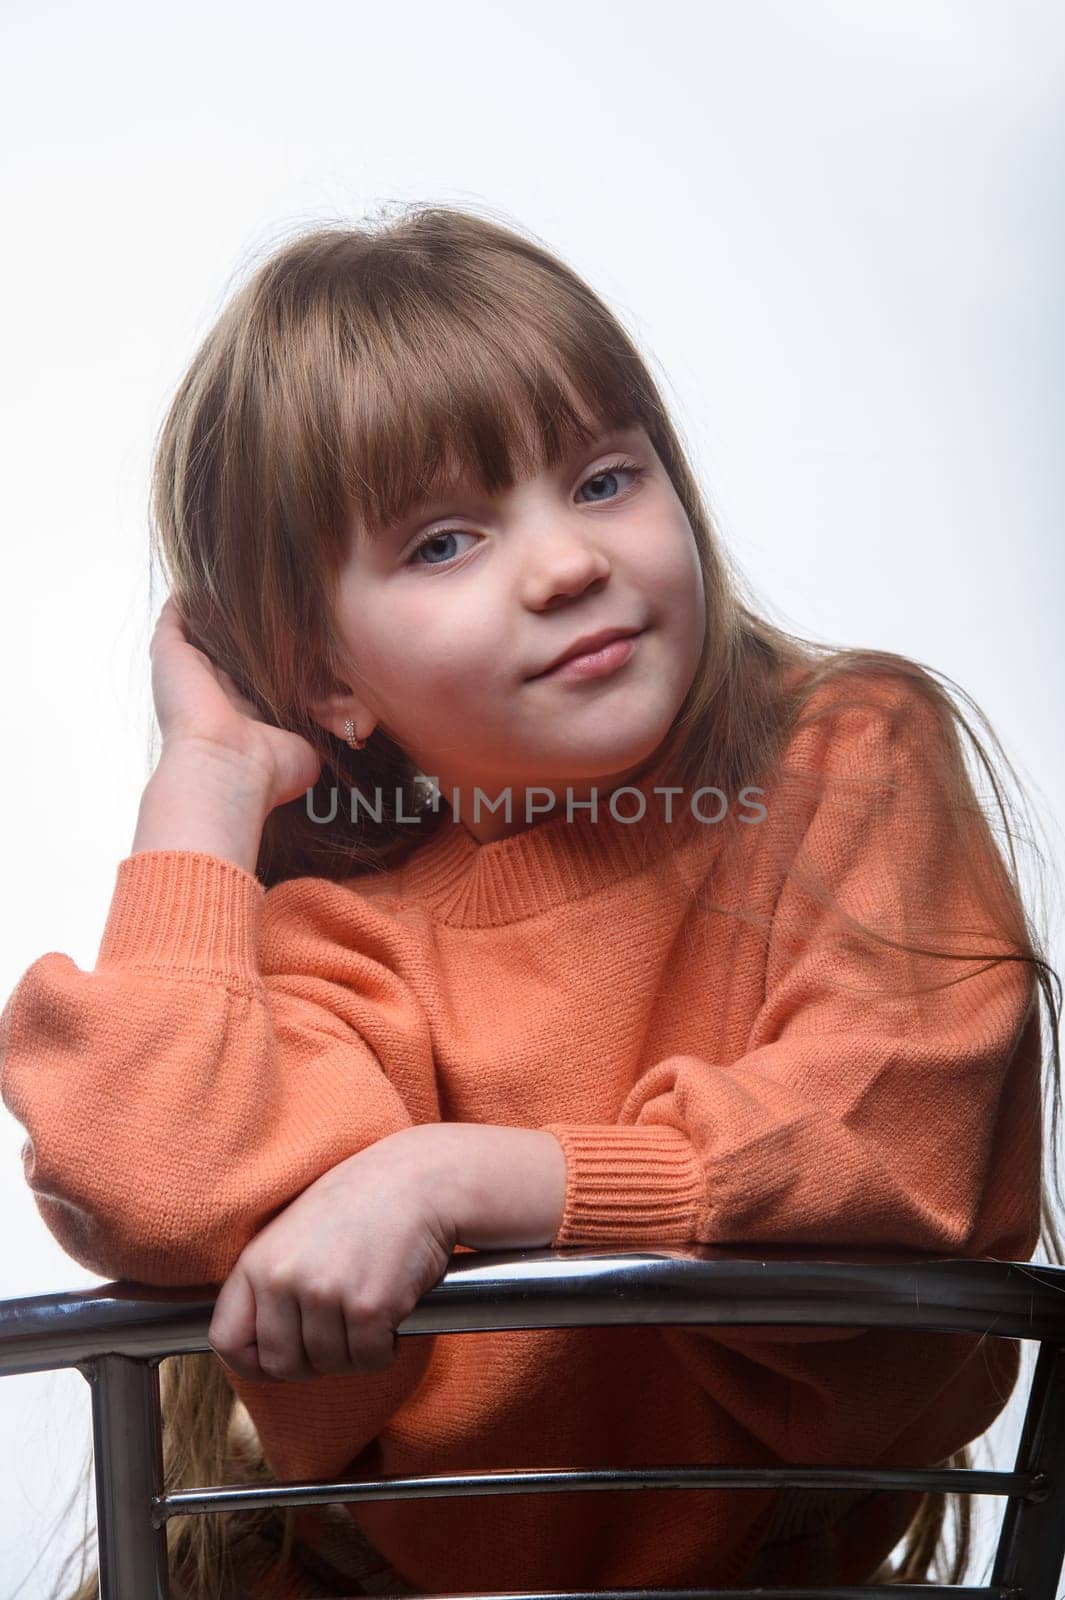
x=698, y=583
x=452, y=641
x=433, y=666
x=394, y=644
x=682, y=594
x=678, y=576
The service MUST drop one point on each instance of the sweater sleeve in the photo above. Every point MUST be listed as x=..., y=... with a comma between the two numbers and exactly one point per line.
x=229, y=1047
x=858, y=1114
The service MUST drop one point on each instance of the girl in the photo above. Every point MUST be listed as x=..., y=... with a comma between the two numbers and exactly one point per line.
x=426, y=943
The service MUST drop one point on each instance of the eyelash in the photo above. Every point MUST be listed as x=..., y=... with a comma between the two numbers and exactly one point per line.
x=637, y=471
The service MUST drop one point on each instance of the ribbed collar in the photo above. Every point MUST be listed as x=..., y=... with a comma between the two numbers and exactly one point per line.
x=471, y=885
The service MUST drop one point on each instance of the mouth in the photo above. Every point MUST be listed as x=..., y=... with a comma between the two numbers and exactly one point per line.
x=599, y=663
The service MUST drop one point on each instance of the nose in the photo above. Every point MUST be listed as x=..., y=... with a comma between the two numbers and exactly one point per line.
x=561, y=563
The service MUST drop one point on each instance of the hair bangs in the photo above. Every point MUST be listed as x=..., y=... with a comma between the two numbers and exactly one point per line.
x=470, y=404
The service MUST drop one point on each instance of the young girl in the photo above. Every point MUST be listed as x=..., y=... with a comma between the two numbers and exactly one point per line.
x=427, y=943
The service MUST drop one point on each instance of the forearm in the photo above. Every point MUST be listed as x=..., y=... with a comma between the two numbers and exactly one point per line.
x=200, y=800
x=504, y=1188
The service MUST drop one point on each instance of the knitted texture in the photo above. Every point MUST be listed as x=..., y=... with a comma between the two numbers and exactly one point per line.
x=721, y=1059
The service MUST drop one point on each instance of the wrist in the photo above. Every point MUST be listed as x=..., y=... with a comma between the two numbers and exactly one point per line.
x=500, y=1187
x=204, y=761
x=203, y=802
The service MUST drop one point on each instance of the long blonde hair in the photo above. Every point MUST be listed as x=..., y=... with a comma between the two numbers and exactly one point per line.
x=352, y=372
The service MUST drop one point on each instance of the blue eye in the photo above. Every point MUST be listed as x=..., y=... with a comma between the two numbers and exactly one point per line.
x=441, y=534
x=435, y=538
x=618, y=466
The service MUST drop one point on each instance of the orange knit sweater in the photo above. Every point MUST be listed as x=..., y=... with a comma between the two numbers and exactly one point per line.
x=733, y=1068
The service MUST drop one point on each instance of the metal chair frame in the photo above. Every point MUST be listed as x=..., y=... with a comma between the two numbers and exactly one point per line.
x=116, y=1336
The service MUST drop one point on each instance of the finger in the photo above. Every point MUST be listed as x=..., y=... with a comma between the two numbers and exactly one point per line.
x=325, y=1337
x=279, y=1333
x=167, y=618
x=373, y=1344
x=231, y=1333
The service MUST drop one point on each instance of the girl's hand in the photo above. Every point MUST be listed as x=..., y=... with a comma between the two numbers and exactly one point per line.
x=323, y=1287
x=199, y=706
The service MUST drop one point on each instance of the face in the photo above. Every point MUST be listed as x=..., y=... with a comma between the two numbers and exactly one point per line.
x=448, y=618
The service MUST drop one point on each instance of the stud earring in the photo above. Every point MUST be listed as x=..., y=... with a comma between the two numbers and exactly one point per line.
x=349, y=734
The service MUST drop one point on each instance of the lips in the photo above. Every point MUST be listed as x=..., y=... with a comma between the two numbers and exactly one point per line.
x=587, y=645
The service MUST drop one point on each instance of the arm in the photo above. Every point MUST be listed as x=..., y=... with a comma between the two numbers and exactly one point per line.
x=225, y=1052
x=325, y=1286
x=201, y=797
x=857, y=1115
x=503, y=1188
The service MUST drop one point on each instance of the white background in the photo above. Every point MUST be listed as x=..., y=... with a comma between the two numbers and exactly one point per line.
x=834, y=228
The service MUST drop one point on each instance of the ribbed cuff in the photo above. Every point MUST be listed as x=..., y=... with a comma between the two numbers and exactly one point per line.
x=183, y=912
x=628, y=1185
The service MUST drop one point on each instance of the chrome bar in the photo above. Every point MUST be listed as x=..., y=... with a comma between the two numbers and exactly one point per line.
x=1031, y=1546
x=706, y=1285
x=908, y=1591
x=127, y=1452
x=445, y=1485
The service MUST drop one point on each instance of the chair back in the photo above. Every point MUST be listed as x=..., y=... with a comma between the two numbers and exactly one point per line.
x=116, y=1336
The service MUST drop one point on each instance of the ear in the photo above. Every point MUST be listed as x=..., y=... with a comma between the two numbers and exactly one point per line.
x=337, y=709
